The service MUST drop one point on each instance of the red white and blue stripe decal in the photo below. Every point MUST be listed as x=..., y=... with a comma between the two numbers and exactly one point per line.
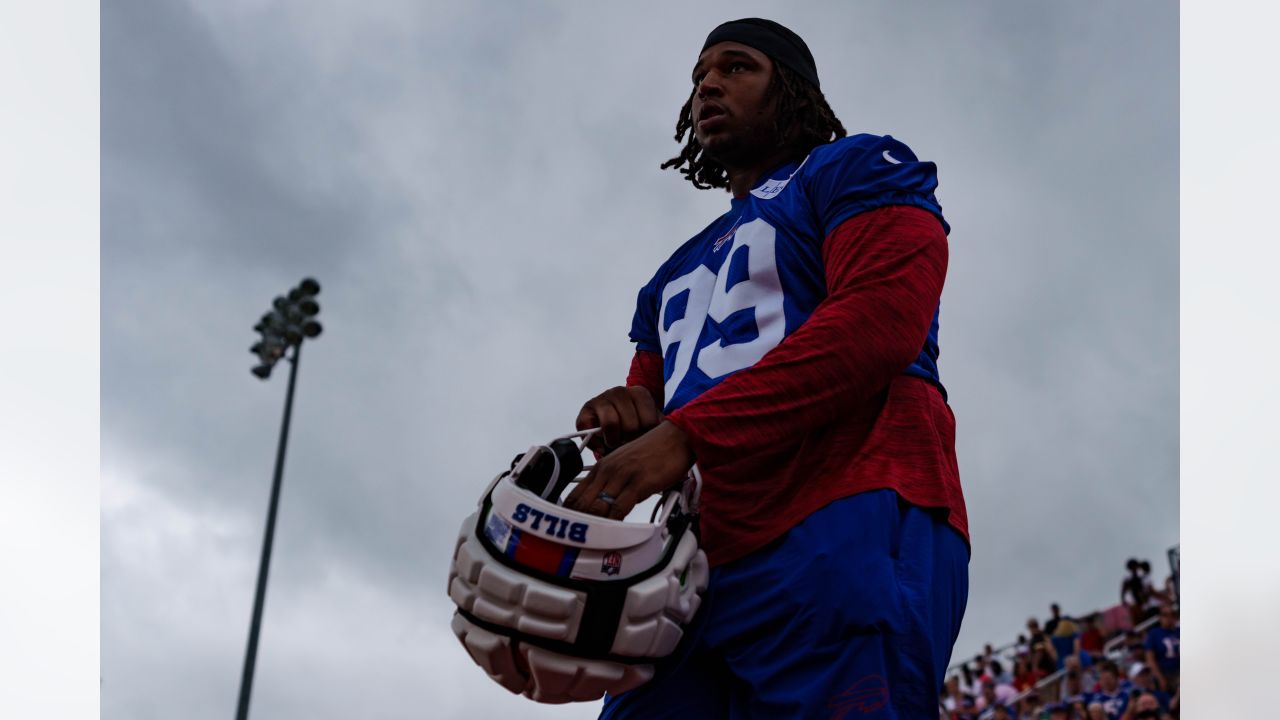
x=532, y=551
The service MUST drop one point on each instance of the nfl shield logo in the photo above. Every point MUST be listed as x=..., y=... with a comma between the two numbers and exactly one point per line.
x=611, y=564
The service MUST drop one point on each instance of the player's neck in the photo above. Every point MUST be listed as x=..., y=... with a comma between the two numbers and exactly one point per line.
x=743, y=179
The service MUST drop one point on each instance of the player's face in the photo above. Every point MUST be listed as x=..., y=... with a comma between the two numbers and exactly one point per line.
x=732, y=111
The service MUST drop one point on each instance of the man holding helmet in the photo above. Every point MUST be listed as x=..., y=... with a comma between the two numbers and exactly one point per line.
x=790, y=350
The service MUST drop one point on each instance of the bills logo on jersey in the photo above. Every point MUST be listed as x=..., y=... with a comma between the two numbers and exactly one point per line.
x=611, y=563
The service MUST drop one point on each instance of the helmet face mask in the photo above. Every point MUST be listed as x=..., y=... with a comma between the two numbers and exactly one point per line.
x=561, y=606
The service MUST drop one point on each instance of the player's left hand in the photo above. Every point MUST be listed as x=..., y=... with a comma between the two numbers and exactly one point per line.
x=649, y=464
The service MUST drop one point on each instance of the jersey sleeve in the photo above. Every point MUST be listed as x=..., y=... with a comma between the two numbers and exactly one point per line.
x=884, y=272
x=644, y=324
x=646, y=372
x=864, y=172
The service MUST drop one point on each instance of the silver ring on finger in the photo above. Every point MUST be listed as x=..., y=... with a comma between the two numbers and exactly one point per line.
x=606, y=498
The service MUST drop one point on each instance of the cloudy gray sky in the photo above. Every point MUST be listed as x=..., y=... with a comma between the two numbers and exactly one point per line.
x=476, y=187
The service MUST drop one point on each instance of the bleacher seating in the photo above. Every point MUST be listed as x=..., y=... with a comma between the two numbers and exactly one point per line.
x=1121, y=661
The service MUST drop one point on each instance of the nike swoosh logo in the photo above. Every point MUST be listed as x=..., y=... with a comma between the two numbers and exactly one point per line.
x=890, y=158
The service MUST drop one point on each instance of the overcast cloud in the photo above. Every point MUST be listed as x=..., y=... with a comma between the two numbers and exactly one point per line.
x=476, y=187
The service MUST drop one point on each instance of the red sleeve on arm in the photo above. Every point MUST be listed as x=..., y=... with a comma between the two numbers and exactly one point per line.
x=646, y=371
x=884, y=271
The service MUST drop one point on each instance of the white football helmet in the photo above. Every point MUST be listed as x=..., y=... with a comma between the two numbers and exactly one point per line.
x=562, y=606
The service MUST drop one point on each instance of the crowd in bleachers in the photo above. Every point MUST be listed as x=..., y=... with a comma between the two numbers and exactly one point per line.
x=1120, y=663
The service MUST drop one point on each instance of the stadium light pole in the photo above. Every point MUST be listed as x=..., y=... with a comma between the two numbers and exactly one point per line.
x=291, y=319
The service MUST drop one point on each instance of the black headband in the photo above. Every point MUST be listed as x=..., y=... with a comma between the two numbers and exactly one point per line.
x=770, y=38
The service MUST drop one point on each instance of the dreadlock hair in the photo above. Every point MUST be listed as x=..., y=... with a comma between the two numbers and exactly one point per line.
x=803, y=121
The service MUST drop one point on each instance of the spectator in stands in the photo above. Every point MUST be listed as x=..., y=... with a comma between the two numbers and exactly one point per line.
x=1038, y=636
x=1133, y=590
x=1022, y=647
x=968, y=683
x=1073, y=686
x=1135, y=648
x=980, y=665
x=1055, y=614
x=1059, y=711
x=1001, y=712
x=1062, y=639
x=1142, y=679
x=993, y=694
x=1163, y=649
x=1171, y=589
x=1043, y=659
x=988, y=654
x=1059, y=625
x=1029, y=707
x=1088, y=670
x=988, y=697
x=983, y=679
x=952, y=697
x=1146, y=707
x=1091, y=639
x=1065, y=627
x=948, y=698
x=1096, y=711
x=1024, y=676
x=990, y=713
x=1000, y=674
x=1110, y=694
x=1155, y=598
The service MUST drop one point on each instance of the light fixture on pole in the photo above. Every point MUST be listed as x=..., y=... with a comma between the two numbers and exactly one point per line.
x=291, y=319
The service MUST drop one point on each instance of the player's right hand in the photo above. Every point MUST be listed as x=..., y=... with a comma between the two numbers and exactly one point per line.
x=622, y=414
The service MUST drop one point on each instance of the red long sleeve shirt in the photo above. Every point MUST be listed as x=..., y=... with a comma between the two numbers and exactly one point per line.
x=827, y=413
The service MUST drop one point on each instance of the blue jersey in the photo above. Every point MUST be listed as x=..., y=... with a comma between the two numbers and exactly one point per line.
x=1080, y=697
x=1113, y=704
x=1165, y=645
x=735, y=290
x=1162, y=697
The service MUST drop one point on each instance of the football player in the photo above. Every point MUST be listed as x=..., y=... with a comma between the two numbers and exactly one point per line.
x=790, y=350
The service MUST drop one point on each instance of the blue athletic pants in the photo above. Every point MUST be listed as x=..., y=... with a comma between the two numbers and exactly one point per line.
x=851, y=614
